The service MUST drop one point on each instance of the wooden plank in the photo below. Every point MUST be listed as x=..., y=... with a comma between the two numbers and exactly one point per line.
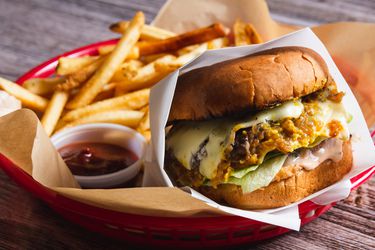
x=34, y=31
x=312, y=12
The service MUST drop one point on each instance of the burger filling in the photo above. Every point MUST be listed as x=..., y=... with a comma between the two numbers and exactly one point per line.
x=250, y=151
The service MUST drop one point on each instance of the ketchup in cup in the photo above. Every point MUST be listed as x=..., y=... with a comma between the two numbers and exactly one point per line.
x=90, y=159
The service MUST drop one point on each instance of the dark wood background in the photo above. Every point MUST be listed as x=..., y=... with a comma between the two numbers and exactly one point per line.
x=33, y=31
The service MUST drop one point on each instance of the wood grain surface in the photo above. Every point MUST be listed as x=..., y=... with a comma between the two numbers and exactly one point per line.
x=34, y=31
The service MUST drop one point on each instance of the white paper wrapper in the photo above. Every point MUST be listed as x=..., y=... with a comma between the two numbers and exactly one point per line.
x=363, y=147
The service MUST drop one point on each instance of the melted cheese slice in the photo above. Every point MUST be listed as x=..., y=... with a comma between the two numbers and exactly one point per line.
x=291, y=109
x=185, y=141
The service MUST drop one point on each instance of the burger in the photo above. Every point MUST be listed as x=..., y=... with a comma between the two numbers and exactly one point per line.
x=258, y=132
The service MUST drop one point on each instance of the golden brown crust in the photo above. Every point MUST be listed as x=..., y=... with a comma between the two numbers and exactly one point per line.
x=249, y=83
x=281, y=193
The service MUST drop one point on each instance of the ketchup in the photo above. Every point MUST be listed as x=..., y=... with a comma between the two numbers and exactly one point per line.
x=90, y=159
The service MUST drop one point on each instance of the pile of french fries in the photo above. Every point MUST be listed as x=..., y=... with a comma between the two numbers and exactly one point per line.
x=114, y=86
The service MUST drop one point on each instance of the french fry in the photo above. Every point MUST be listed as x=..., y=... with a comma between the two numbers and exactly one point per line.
x=60, y=124
x=106, y=71
x=108, y=87
x=218, y=43
x=146, y=76
x=149, y=69
x=138, y=83
x=148, y=32
x=253, y=34
x=240, y=35
x=245, y=33
x=154, y=33
x=144, y=125
x=76, y=79
x=105, y=50
x=129, y=118
x=146, y=134
x=151, y=58
x=108, y=91
x=144, y=109
x=187, y=49
x=181, y=60
x=134, y=100
x=43, y=86
x=53, y=111
x=25, y=96
x=177, y=42
x=128, y=69
x=145, y=122
x=69, y=65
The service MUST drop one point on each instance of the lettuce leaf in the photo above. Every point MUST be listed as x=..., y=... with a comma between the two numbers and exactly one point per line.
x=261, y=177
x=239, y=173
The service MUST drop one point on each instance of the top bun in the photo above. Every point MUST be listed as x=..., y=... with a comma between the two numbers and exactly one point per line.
x=249, y=83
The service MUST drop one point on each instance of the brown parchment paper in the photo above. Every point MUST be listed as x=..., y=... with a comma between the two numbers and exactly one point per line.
x=352, y=46
x=24, y=142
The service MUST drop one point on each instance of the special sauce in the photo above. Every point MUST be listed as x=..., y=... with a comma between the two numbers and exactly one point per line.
x=90, y=159
x=311, y=158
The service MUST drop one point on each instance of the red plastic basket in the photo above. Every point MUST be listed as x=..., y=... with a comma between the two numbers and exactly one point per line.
x=213, y=232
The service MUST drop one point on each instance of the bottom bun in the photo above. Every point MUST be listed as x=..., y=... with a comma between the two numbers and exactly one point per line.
x=282, y=193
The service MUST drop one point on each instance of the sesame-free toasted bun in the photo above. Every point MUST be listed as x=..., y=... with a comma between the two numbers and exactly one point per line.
x=249, y=83
x=286, y=191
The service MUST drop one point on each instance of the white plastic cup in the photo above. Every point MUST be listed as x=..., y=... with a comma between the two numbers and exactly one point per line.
x=105, y=133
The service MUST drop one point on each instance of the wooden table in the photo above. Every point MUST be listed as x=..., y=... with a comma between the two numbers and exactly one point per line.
x=33, y=31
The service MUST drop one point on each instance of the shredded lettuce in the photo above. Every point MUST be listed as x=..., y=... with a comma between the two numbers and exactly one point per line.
x=261, y=176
